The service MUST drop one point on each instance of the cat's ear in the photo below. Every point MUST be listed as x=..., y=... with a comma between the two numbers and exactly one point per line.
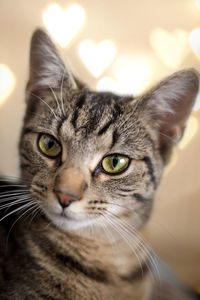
x=46, y=67
x=168, y=105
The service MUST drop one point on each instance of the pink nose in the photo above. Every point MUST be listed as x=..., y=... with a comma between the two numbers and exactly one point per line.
x=66, y=199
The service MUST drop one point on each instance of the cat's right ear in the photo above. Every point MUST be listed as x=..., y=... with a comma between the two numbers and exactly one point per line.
x=168, y=105
x=47, y=69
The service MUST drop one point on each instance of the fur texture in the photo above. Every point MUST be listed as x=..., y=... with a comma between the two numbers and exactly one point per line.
x=87, y=246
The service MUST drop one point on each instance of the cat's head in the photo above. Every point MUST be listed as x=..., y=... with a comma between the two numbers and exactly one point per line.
x=93, y=158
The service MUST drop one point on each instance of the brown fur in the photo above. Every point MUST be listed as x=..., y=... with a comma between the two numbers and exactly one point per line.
x=92, y=248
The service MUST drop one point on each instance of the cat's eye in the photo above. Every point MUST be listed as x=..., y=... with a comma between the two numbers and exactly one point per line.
x=49, y=146
x=115, y=163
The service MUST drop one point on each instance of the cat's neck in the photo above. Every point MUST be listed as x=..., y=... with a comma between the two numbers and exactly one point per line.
x=96, y=248
x=98, y=263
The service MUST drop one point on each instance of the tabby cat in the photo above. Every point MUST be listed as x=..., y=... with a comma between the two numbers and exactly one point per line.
x=90, y=164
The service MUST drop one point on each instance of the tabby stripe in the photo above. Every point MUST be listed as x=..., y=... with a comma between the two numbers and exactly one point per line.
x=148, y=136
x=116, y=112
x=139, y=197
x=45, y=297
x=126, y=190
x=39, y=193
x=74, y=118
x=136, y=196
x=105, y=128
x=114, y=138
x=27, y=130
x=94, y=274
x=40, y=185
x=122, y=195
x=149, y=165
x=79, y=105
x=63, y=119
x=49, y=248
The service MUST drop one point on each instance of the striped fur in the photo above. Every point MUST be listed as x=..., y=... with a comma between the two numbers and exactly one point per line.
x=92, y=249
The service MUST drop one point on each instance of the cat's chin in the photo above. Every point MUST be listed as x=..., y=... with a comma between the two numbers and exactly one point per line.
x=69, y=223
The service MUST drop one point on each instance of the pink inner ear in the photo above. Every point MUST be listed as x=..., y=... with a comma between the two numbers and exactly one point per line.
x=173, y=124
x=175, y=133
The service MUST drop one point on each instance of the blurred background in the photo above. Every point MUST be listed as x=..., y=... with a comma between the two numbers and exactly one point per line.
x=123, y=46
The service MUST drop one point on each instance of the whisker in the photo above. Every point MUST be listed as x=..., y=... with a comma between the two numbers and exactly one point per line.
x=168, y=137
x=20, y=217
x=61, y=94
x=125, y=238
x=12, y=185
x=55, y=97
x=109, y=235
x=34, y=213
x=8, y=197
x=14, y=179
x=10, y=192
x=14, y=211
x=120, y=205
x=17, y=201
x=51, y=109
x=146, y=249
x=139, y=247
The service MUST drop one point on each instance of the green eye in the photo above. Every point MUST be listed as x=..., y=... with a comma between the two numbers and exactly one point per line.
x=49, y=146
x=116, y=163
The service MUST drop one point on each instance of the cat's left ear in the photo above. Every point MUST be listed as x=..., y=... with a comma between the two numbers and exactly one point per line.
x=47, y=69
x=168, y=105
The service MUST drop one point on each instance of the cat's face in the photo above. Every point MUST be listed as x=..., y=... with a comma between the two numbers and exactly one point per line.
x=94, y=158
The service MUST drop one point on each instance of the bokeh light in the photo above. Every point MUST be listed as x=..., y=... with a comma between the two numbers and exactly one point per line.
x=7, y=82
x=97, y=57
x=170, y=46
x=63, y=25
x=190, y=132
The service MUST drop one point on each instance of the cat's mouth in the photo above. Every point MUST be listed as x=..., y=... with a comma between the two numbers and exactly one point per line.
x=67, y=221
x=69, y=218
x=66, y=216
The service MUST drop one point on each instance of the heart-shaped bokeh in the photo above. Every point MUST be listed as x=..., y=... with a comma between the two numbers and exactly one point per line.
x=63, y=25
x=97, y=57
x=195, y=41
x=7, y=82
x=171, y=47
x=132, y=73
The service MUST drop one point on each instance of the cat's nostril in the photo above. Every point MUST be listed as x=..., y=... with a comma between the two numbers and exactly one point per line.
x=65, y=199
x=64, y=205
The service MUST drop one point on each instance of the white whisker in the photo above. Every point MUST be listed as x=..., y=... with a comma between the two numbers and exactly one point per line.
x=35, y=212
x=14, y=203
x=61, y=95
x=55, y=97
x=144, y=247
x=32, y=204
x=51, y=109
x=14, y=211
x=14, y=193
x=11, y=185
x=120, y=205
x=5, y=201
x=124, y=237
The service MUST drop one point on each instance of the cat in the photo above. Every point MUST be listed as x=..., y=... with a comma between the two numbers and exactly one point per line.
x=90, y=165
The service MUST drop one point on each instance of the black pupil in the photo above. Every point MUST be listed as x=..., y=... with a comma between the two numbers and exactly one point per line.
x=50, y=143
x=115, y=161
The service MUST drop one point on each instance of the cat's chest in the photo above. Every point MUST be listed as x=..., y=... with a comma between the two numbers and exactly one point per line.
x=69, y=267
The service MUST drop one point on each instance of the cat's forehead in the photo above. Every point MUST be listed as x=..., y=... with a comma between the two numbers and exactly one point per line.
x=87, y=111
x=89, y=122
x=91, y=116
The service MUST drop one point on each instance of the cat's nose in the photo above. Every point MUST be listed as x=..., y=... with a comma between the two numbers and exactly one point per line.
x=66, y=199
